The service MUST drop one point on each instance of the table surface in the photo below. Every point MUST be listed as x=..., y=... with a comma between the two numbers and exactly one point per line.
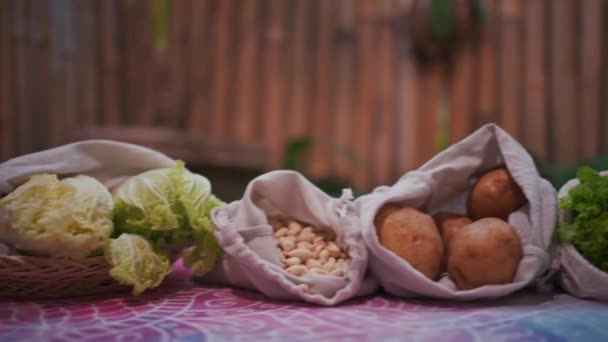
x=181, y=310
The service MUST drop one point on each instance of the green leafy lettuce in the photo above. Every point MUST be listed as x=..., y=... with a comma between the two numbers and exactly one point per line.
x=588, y=229
x=136, y=263
x=171, y=209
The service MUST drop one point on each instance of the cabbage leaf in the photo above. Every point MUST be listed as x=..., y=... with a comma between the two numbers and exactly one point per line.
x=170, y=208
x=135, y=263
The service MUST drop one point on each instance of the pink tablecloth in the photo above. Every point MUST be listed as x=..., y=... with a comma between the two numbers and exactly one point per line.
x=185, y=311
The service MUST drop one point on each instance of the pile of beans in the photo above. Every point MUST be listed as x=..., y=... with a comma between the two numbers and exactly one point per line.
x=306, y=249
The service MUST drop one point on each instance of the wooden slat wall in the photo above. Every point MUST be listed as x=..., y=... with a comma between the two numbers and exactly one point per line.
x=7, y=143
x=604, y=83
x=565, y=121
x=535, y=83
x=590, y=67
x=110, y=70
x=487, y=54
x=274, y=103
x=509, y=66
x=21, y=84
x=259, y=72
x=344, y=78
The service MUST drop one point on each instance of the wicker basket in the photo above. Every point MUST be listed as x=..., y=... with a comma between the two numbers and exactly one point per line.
x=34, y=277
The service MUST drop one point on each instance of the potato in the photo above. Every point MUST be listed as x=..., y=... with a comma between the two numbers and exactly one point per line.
x=450, y=224
x=495, y=194
x=384, y=212
x=485, y=252
x=413, y=236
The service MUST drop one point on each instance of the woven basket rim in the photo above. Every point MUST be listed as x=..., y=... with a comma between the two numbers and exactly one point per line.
x=34, y=258
x=40, y=277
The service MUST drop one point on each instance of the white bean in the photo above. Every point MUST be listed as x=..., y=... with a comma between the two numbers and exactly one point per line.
x=304, y=245
x=280, y=233
x=287, y=245
x=323, y=255
x=330, y=265
x=292, y=261
x=307, y=229
x=303, y=254
x=338, y=272
x=334, y=250
x=294, y=226
x=311, y=263
x=317, y=239
x=318, y=271
x=306, y=236
x=317, y=250
x=320, y=243
x=297, y=270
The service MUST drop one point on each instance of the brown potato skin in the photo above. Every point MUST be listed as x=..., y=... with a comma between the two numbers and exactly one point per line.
x=495, y=194
x=485, y=252
x=413, y=236
x=450, y=224
x=384, y=212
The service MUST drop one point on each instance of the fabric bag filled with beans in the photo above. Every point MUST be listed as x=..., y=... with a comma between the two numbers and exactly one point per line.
x=290, y=241
x=474, y=222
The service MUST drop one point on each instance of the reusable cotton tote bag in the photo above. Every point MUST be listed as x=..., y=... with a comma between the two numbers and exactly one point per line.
x=442, y=184
x=110, y=162
x=577, y=275
x=251, y=258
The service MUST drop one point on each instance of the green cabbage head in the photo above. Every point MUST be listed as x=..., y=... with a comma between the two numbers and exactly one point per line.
x=170, y=208
x=68, y=218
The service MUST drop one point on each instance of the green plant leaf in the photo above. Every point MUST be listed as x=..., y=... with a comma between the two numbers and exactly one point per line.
x=442, y=19
x=296, y=150
x=161, y=14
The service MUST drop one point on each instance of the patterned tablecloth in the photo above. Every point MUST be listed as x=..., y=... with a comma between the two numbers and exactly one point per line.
x=185, y=311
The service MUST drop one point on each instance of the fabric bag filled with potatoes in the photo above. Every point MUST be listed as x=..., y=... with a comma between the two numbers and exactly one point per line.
x=474, y=222
x=582, y=257
x=290, y=241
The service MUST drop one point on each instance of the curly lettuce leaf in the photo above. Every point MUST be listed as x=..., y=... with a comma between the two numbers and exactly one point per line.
x=588, y=230
x=135, y=263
